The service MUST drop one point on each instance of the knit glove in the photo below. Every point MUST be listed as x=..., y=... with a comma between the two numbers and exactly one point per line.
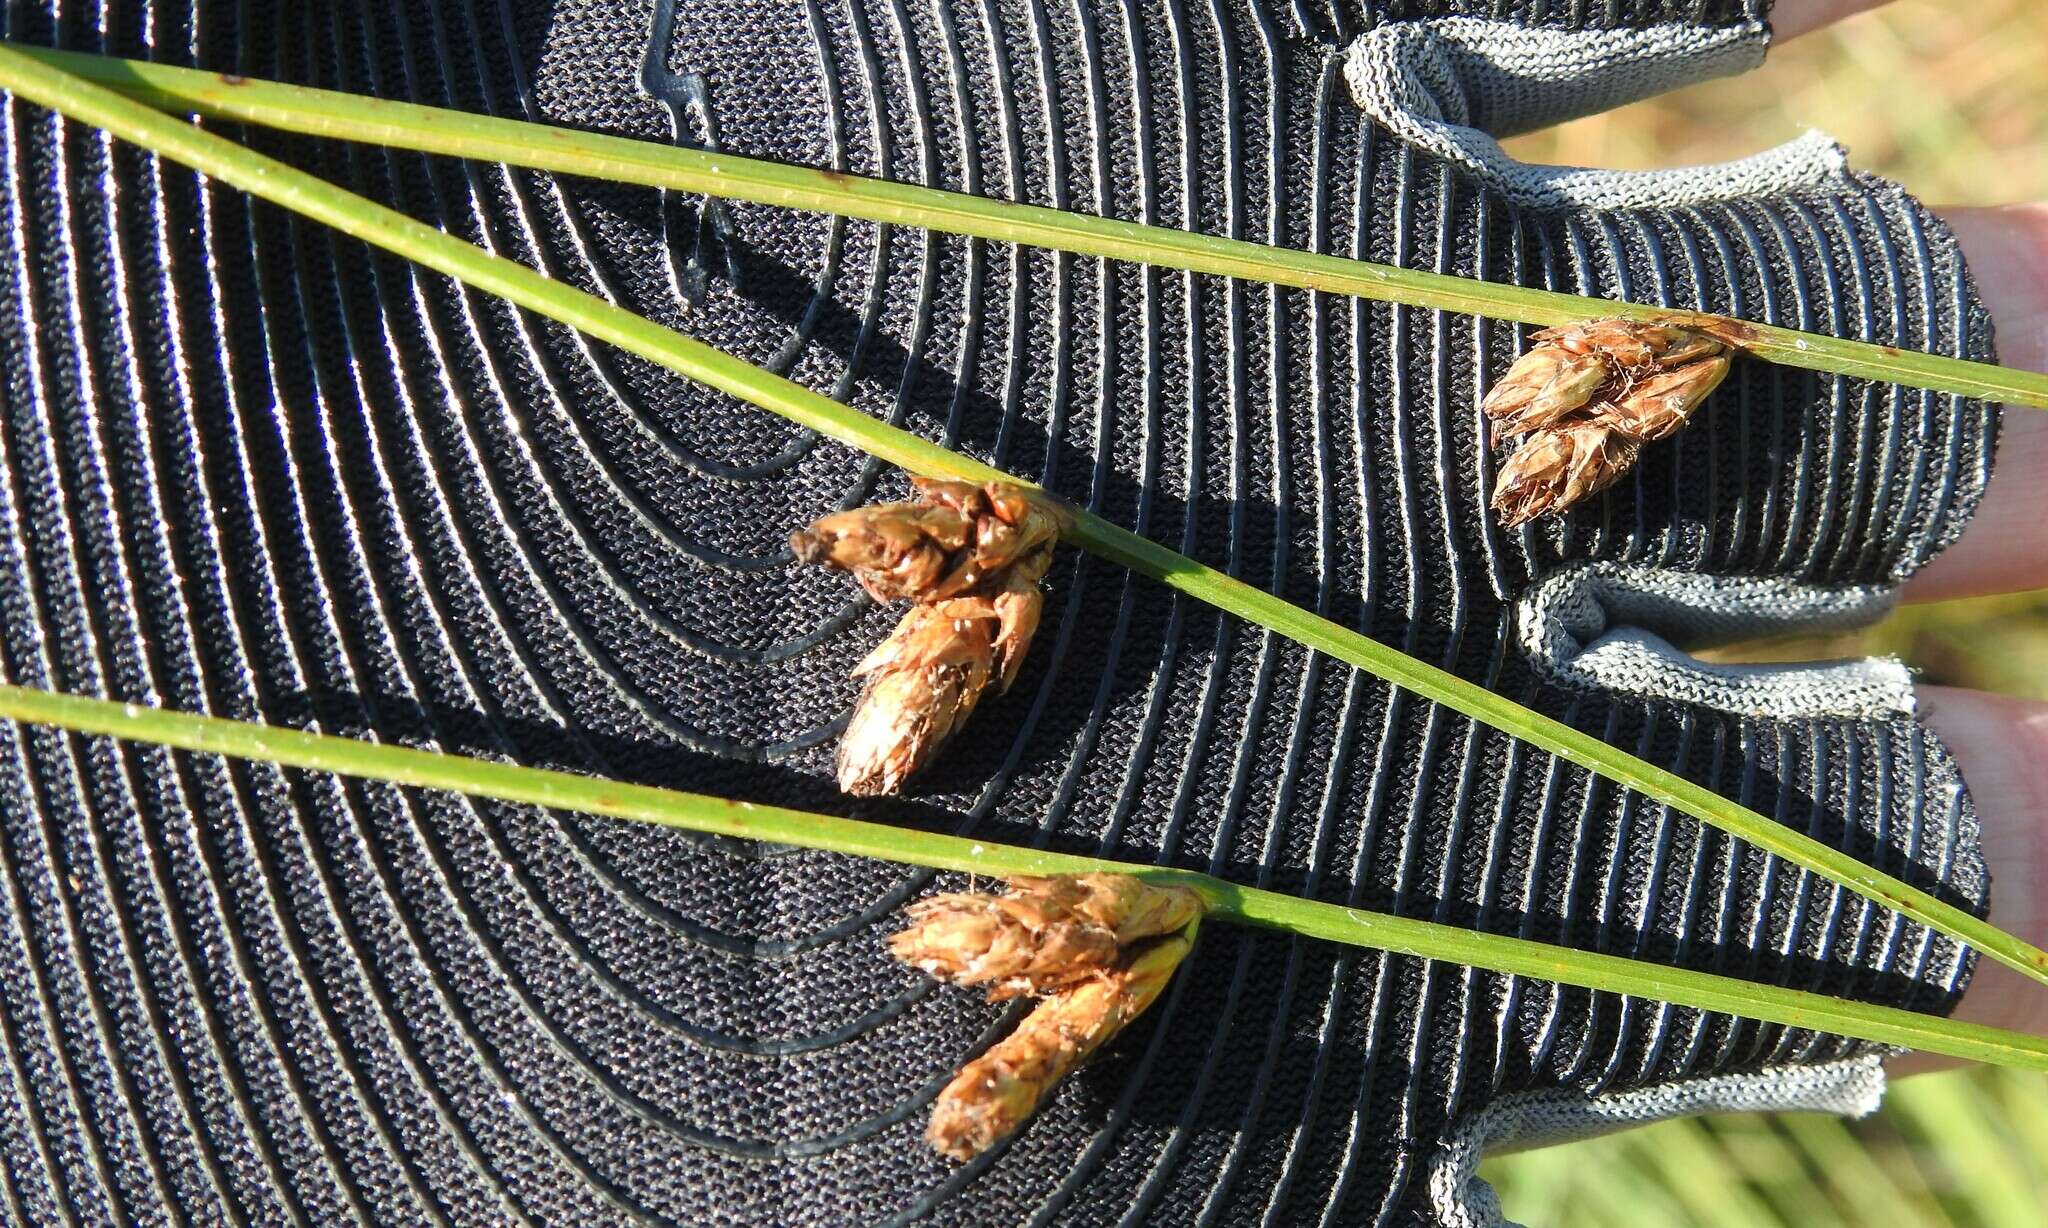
x=254, y=471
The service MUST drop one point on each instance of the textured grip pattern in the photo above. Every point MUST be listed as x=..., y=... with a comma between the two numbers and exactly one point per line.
x=249, y=469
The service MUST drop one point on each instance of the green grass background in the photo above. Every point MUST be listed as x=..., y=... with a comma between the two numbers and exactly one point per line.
x=1951, y=98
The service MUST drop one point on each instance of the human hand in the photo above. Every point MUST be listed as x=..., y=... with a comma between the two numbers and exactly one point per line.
x=2002, y=743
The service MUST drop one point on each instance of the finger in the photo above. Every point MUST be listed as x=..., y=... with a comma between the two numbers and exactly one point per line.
x=2001, y=745
x=2005, y=548
x=1792, y=18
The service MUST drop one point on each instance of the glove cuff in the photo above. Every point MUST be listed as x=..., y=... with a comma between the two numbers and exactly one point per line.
x=1460, y=1198
x=1620, y=628
x=1583, y=14
x=1503, y=77
x=1450, y=86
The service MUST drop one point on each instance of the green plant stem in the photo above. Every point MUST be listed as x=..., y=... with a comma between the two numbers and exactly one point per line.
x=40, y=81
x=463, y=134
x=1225, y=901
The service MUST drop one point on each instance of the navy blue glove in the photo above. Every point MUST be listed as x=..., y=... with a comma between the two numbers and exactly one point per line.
x=254, y=471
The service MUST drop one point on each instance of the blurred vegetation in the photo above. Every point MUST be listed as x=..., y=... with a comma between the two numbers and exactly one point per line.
x=1990, y=643
x=1951, y=99
x=1967, y=1149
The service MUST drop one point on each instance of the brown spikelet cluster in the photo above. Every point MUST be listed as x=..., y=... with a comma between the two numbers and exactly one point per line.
x=1042, y=934
x=1096, y=949
x=970, y=558
x=1586, y=399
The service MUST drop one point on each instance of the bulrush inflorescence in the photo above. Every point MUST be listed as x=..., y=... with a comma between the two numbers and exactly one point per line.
x=1095, y=948
x=1586, y=399
x=1042, y=934
x=970, y=557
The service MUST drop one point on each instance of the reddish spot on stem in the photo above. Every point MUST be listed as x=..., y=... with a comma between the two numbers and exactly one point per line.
x=1726, y=329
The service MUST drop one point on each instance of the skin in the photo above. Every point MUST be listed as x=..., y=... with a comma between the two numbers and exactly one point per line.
x=1792, y=18
x=2001, y=743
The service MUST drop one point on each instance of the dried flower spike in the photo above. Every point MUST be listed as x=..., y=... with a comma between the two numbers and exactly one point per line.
x=895, y=550
x=1587, y=397
x=1544, y=385
x=921, y=684
x=1018, y=604
x=1040, y=935
x=1557, y=467
x=1097, y=947
x=1632, y=346
x=971, y=558
x=955, y=537
x=997, y=1092
x=1660, y=406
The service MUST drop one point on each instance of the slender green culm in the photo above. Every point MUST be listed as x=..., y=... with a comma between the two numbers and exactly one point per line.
x=463, y=134
x=1225, y=901
x=42, y=82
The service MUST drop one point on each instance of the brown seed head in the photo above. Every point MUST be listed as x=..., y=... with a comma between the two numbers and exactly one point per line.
x=1660, y=406
x=921, y=684
x=931, y=634
x=1583, y=433
x=1673, y=346
x=895, y=550
x=1127, y=906
x=955, y=538
x=1003, y=942
x=971, y=557
x=1040, y=935
x=1543, y=386
x=1018, y=506
x=1556, y=468
x=1629, y=345
x=1015, y=525
x=1018, y=603
x=997, y=1092
x=1730, y=332
x=966, y=498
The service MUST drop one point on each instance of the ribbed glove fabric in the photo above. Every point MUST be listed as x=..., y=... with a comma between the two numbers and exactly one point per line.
x=252, y=469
